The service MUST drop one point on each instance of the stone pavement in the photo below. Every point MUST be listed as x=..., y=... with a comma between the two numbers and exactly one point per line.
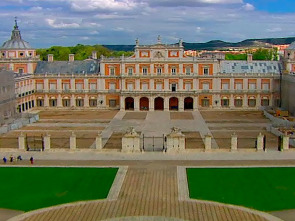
x=149, y=190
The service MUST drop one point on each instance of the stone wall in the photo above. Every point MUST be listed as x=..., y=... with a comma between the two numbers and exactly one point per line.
x=288, y=92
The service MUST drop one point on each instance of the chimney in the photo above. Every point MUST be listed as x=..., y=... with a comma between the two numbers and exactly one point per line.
x=94, y=55
x=50, y=57
x=249, y=57
x=71, y=57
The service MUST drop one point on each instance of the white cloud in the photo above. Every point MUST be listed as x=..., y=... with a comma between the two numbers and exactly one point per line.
x=274, y=29
x=92, y=5
x=52, y=23
x=248, y=7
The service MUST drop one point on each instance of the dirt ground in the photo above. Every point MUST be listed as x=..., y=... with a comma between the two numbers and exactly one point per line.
x=114, y=142
x=135, y=116
x=193, y=140
x=233, y=116
x=181, y=116
x=73, y=114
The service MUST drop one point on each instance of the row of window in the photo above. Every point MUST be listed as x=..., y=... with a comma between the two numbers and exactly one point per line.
x=237, y=102
x=159, y=71
x=25, y=106
x=67, y=103
x=26, y=93
x=159, y=86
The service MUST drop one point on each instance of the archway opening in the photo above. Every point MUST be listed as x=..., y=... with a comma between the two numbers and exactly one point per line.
x=144, y=104
x=159, y=103
x=173, y=103
x=129, y=103
x=188, y=103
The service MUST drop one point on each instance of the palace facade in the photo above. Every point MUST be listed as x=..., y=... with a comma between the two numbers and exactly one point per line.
x=156, y=77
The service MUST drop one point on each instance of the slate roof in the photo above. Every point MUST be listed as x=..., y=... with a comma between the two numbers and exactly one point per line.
x=67, y=67
x=238, y=67
x=291, y=46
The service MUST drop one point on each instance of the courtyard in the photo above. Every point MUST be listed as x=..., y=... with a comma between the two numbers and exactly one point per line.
x=154, y=125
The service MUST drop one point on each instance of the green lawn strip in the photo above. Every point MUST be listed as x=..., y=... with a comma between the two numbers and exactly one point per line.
x=30, y=188
x=265, y=189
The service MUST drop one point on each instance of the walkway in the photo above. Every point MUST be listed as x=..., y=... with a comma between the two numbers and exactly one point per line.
x=150, y=189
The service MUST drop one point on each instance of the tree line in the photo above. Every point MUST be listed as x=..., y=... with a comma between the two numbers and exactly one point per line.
x=259, y=54
x=81, y=52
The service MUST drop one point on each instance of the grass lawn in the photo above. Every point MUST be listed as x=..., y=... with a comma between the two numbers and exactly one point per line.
x=265, y=189
x=29, y=188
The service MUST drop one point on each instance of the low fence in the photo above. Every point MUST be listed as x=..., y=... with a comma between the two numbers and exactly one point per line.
x=19, y=123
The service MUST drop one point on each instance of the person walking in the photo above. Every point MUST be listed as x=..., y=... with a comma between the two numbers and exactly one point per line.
x=32, y=160
x=4, y=159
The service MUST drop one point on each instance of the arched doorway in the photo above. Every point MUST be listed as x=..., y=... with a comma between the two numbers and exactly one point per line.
x=159, y=103
x=188, y=103
x=173, y=103
x=144, y=103
x=129, y=103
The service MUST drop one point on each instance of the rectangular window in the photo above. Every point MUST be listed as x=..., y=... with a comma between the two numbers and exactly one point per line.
x=265, y=87
x=225, y=86
x=144, y=71
x=66, y=102
x=130, y=71
x=159, y=71
x=173, y=87
x=187, y=70
x=40, y=103
x=79, y=86
x=130, y=87
x=112, y=86
x=159, y=86
x=112, y=71
x=93, y=103
x=39, y=86
x=188, y=86
x=79, y=102
x=206, y=86
x=239, y=86
x=112, y=103
x=173, y=71
x=145, y=87
x=52, y=86
x=252, y=86
x=92, y=86
x=66, y=86
x=206, y=71
x=52, y=102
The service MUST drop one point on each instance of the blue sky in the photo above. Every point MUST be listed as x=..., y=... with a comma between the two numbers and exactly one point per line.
x=44, y=23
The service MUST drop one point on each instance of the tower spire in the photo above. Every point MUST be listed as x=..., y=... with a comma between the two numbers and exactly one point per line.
x=15, y=32
x=15, y=21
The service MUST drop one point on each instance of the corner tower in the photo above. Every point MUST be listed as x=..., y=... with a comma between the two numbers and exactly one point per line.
x=17, y=55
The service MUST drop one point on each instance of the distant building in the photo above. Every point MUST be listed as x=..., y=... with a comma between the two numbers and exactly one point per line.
x=7, y=95
x=19, y=57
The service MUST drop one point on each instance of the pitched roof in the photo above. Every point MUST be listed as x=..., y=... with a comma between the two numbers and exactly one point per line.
x=67, y=67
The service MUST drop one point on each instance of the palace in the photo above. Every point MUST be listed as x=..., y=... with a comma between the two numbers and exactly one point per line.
x=156, y=77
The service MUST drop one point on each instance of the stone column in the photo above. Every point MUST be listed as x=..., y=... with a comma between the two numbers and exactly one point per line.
x=86, y=100
x=47, y=143
x=166, y=103
x=196, y=103
x=175, y=141
x=98, y=141
x=152, y=104
x=181, y=103
x=59, y=101
x=21, y=141
x=136, y=103
x=122, y=103
x=73, y=144
x=259, y=142
x=131, y=141
x=285, y=142
x=208, y=142
x=234, y=142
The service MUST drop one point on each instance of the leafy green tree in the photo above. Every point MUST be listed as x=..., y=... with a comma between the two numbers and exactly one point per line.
x=229, y=56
